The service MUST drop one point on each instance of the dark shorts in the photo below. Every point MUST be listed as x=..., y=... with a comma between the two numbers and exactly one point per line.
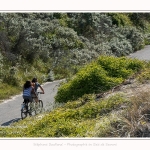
x=28, y=97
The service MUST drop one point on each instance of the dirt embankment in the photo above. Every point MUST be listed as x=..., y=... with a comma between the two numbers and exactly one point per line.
x=130, y=87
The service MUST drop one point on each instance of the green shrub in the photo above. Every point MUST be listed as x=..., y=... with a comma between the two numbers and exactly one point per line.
x=50, y=76
x=120, y=47
x=98, y=76
x=120, y=19
x=91, y=79
x=135, y=37
x=120, y=67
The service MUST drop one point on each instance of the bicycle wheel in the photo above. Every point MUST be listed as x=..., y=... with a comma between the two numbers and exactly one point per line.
x=31, y=109
x=39, y=106
x=24, y=112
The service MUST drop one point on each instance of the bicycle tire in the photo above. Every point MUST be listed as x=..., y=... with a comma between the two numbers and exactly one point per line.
x=39, y=106
x=23, y=113
x=41, y=103
x=31, y=109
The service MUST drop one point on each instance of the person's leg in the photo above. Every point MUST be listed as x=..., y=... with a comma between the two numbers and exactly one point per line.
x=31, y=105
x=35, y=98
x=26, y=101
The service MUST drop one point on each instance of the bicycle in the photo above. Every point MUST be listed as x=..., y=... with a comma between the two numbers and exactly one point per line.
x=32, y=108
x=27, y=109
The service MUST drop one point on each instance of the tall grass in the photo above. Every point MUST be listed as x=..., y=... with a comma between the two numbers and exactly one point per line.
x=8, y=90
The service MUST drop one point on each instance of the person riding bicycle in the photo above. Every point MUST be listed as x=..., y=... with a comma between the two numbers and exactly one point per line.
x=36, y=85
x=28, y=89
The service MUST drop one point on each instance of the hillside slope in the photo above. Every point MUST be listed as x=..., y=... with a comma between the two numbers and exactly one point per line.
x=124, y=112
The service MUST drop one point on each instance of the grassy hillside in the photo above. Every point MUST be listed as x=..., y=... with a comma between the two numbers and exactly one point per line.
x=114, y=115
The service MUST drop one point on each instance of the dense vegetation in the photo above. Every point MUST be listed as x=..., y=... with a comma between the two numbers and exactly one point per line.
x=55, y=45
x=99, y=76
x=88, y=116
x=87, y=49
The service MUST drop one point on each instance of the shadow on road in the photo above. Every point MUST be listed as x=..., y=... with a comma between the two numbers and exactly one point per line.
x=10, y=122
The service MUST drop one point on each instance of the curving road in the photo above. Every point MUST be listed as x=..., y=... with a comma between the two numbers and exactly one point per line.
x=10, y=109
x=143, y=54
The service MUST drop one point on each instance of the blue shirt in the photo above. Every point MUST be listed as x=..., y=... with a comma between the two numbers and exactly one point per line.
x=36, y=86
x=27, y=91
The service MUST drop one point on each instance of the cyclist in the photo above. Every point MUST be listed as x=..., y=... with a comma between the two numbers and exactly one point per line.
x=27, y=90
x=36, y=85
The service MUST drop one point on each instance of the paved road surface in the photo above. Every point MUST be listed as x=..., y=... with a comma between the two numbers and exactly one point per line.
x=143, y=54
x=10, y=109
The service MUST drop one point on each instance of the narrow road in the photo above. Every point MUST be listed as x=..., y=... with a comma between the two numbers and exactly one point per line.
x=143, y=54
x=10, y=109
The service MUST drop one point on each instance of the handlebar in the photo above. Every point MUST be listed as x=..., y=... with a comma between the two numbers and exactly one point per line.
x=40, y=92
